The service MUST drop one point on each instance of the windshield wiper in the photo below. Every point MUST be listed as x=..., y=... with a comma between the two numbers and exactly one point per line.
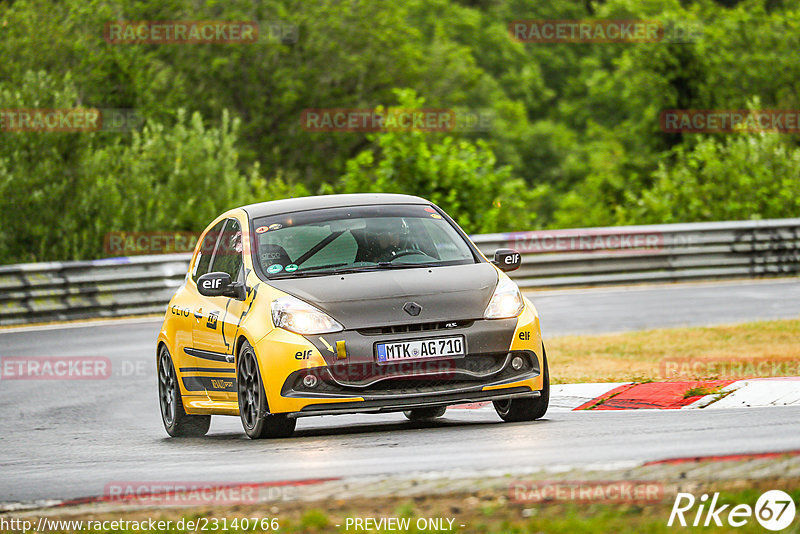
x=341, y=268
x=320, y=267
x=317, y=270
x=362, y=269
x=320, y=270
x=390, y=265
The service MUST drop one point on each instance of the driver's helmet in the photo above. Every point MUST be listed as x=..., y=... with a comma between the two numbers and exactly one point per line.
x=385, y=237
x=394, y=226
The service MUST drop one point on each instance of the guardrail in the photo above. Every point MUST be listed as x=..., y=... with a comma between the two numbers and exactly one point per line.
x=135, y=285
x=653, y=253
x=57, y=291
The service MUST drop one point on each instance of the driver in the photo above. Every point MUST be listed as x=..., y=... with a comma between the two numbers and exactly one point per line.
x=386, y=238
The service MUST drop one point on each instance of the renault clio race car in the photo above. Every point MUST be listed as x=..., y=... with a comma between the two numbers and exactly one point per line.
x=345, y=304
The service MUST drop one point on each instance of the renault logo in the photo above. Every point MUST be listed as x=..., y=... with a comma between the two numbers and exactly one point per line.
x=412, y=308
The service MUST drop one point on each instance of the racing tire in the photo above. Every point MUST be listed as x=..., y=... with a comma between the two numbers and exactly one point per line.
x=177, y=422
x=257, y=421
x=425, y=414
x=530, y=408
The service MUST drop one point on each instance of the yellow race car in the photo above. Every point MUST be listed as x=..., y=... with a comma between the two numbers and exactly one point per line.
x=345, y=304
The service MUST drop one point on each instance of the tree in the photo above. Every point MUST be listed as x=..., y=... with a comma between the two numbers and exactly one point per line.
x=735, y=177
x=459, y=175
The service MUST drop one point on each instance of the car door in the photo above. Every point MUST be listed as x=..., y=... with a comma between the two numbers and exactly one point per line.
x=216, y=319
x=200, y=363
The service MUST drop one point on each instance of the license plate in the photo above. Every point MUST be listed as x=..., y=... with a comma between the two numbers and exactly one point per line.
x=416, y=349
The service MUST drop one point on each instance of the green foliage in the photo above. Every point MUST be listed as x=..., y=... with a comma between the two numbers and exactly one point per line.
x=177, y=177
x=40, y=176
x=754, y=176
x=60, y=193
x=458, y=174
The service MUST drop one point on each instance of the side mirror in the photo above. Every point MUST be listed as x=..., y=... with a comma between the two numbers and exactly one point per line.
x=507, y=259
x=220, y=285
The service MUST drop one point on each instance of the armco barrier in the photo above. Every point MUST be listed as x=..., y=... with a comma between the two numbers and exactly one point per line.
x=34, y=292
x=559, y=258
x=653, y=253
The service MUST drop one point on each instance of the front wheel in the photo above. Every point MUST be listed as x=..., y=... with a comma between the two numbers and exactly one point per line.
x=530, y=408
x=176, y=421
x=258, y=423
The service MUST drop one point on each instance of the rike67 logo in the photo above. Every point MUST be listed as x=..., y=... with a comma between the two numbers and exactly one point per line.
x=774, y=510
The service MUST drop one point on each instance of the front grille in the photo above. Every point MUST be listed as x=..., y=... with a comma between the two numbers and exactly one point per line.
x=414, y=327
x=400, y=386
x=394, y=386
x=365, y=375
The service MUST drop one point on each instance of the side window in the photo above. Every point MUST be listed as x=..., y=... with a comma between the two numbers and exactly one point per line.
x=228, y=255
x=206, y=251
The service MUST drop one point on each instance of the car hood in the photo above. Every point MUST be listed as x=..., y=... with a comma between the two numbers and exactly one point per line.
x=376, y=298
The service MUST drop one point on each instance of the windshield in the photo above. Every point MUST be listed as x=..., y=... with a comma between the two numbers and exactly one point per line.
x=337, y=240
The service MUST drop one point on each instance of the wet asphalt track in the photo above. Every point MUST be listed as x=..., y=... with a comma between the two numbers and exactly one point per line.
x=68, y=439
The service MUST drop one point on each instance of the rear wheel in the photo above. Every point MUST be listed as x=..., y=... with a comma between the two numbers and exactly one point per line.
x=425, y=414
x=176, y=421
x=529, y=408
x=258, y=423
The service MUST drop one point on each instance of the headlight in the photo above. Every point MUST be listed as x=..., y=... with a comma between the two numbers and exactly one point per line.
x=302, y=318
x=506, y=302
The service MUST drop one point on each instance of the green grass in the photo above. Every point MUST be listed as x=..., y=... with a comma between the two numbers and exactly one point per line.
x=763, y=348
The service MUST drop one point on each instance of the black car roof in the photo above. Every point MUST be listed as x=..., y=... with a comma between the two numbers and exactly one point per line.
x=289, y=205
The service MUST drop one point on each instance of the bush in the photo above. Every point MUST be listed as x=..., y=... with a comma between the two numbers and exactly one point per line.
x=60, y=193
x=459, y=175
x=732, y=178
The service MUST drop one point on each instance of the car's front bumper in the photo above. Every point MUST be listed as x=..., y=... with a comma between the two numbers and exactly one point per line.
x=349, y=384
